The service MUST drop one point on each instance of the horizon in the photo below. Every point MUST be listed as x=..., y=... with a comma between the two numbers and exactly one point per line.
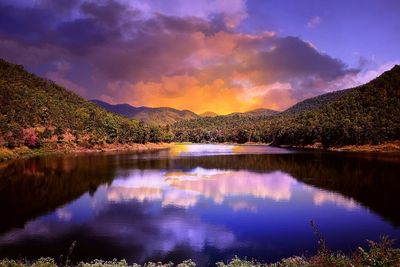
x=212, y=112
x=206, y=56
x=95, y=100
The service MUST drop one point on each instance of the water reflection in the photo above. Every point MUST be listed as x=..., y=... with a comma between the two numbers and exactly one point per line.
x=131, y=232
x=184, y=188
x=322, y=197
x=173, y=205
x=197, y=150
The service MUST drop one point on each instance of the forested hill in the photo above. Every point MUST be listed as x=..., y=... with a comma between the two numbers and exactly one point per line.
x=33, y=109
x=208, y=114
x=152, y=116
x=386, y=83
x=316, y=102
x=368, y=114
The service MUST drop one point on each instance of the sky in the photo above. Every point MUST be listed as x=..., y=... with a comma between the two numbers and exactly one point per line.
x=203, y=55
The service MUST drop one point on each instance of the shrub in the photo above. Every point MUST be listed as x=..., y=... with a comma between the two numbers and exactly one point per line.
x=31, y=138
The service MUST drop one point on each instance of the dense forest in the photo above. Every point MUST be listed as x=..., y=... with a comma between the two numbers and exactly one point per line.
x=368, y=114
x=34, y=110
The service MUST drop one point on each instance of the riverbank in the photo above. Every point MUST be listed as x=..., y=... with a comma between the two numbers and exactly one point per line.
x=53, y=149
x=391, y=146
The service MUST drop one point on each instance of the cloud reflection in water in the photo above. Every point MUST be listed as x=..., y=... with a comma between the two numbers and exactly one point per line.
x=184, y=188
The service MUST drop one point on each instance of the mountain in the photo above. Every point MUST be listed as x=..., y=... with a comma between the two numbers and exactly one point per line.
x=251, y=113
x=165, y=115
x=316, y=102
x=152, y=116
x=256, y=112
x=367, y=114
x=33, y=110
x=209, y=114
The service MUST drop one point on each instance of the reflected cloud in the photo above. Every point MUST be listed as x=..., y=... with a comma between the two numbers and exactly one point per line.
x=193, y=233
x=64, y=214
x=184, y=188
x=321, y=197
x=130, y=226
x=180, y=199
x=118, y=194
x=34, y=229
x=217, y=186
x=243, y=205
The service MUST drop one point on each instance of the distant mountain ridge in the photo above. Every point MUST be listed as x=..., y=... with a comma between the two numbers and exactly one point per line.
x=166, y=115
x=153, y=116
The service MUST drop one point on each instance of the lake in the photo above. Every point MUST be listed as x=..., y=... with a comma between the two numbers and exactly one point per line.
x=203, y=202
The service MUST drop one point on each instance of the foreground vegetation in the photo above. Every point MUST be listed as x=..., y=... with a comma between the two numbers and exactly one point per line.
x=378, y=254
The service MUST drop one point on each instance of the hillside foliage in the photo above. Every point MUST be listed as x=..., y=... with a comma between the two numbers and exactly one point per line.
x=368, y=114
x=33, y=110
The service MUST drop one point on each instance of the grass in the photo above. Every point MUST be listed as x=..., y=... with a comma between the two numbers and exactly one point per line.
x=6, y=154
x=378, y=254
x=20, y=152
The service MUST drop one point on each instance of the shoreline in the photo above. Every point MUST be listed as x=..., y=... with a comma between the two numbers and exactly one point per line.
x=386, y=147
x=7, y=154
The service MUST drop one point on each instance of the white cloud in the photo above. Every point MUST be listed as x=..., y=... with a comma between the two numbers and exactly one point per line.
x=314, y=22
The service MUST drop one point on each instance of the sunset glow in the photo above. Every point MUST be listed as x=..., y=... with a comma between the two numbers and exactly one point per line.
x=214, y=55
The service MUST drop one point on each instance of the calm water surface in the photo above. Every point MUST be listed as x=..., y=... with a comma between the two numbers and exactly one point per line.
x=204, y=202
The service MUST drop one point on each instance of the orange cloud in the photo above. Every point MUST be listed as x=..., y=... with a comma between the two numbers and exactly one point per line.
x=187, y=92
x=223, y=72
x=182, y=92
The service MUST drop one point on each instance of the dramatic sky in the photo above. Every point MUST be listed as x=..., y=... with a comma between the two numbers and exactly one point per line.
x=202, y=55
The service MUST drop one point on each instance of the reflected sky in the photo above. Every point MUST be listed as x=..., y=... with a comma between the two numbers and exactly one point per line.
x=198, y=212
x=185, y=188
x=197, y=150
